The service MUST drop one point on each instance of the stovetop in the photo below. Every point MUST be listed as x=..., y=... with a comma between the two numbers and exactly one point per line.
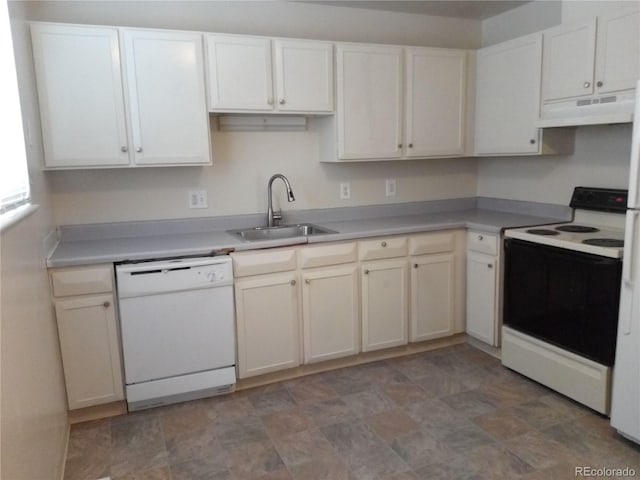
x=595, y=239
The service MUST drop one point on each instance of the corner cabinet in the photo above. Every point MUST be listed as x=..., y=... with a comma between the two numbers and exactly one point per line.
x=261, y=75
x=88, y=334
x=114, y=97
x=484, y=279
x=508, y=83
x=371, y=104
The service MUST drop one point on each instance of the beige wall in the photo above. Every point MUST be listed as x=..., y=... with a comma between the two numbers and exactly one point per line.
x=33, y=419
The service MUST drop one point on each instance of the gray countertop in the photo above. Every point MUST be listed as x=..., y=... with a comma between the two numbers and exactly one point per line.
x=102, y=245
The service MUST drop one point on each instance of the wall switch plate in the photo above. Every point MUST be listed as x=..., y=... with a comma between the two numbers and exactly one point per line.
x=198, y=199
x=390, y=189
x=345, y=191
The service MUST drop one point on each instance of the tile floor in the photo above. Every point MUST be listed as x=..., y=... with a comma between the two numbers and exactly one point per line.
x=453, y=413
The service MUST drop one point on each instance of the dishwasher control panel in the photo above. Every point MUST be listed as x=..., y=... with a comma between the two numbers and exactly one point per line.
x=149, y=278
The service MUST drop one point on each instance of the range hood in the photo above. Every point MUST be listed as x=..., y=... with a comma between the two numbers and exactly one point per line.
x=595, y=110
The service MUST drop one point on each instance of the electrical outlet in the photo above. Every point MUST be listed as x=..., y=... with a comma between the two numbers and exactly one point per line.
x=198, y=199
x=390, y=189
x=345, y=191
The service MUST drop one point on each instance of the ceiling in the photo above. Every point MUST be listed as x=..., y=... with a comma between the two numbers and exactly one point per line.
x=473, y=9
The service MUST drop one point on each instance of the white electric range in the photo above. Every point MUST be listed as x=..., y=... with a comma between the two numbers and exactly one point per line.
x=562, y=297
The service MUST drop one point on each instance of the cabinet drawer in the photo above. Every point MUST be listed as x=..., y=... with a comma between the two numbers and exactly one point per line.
x=482, y=242
x=432, y=243
x=382, y=248
x=323, y=255
x=259, y=262
x=81, y=281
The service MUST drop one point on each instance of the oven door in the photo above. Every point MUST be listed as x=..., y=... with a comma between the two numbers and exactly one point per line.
x=567, y=298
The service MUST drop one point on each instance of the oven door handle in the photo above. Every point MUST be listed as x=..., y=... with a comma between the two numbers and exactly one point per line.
x=629, y=241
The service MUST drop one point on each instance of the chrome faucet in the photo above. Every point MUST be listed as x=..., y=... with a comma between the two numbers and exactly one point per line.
x=273, y=217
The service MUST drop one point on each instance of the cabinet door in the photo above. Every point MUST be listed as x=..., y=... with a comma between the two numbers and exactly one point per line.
x=369, y=88
x=81, y=96
x=481, y=297
x=240, y=75
x=304, y=76
x=267, y=320
x=568, y=61
x=618, y=51
x=90, y=350
x=384, y=304
x=330, y=313
x=508, y=97
x=432, y=296
x=435, y=105
x=165, y=80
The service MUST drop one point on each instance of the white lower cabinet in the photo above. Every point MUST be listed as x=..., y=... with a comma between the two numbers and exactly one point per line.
x=385, y=299
x=330, y=320
x=433, y=296
x=483, y=287
x=88, y=334
x=268, y=323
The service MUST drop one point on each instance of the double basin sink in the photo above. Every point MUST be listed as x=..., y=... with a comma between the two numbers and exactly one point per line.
x=280, y=232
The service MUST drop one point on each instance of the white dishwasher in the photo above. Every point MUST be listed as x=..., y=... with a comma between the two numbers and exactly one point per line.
x=177, y=324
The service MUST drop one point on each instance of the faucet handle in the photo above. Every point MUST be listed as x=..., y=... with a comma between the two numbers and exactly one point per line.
x=277, y=216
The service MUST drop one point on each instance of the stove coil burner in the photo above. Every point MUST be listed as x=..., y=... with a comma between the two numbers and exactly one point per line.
x=577, y=229
x=542, y=231
x=604, y=242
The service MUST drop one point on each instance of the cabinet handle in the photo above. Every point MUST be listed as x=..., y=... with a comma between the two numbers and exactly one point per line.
x=307, y=281
x=415, y=265
x=399, y=145
x=489, y=265
x=293, y=282
x=106, y=304
x=282, y=102
x=600, y=83
x=384, y=244
x=480, y=237
x=270, y=101
x=532, y=141
x=124, y=149
x=366, y=272
x=411, y=145
x=587, y=84
x=138, y=149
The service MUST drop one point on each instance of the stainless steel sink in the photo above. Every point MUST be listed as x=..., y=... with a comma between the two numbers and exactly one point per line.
x=282, y=231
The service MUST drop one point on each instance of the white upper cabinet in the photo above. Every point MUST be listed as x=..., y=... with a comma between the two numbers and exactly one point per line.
x=369, y=107
x=508, y=97
x=601, y=56
x=165, y=79
x=304, y=76
x=107, y=103
x=618, y=51
x=81, y=95
x=436, y=102
x=239, y=73
x=372, y=106
x=568, y=60
x=243, y=69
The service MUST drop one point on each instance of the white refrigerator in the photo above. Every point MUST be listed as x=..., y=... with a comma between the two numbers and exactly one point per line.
x=625, y=404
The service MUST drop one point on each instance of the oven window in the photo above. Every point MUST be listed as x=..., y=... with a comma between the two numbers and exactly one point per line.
x=567, y=298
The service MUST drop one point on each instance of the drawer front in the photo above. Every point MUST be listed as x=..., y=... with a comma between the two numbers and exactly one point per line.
x=482, y=242
x=323, y=255
x=82, y=281
x=432, y=243
x=263, y=261
x=389, y=247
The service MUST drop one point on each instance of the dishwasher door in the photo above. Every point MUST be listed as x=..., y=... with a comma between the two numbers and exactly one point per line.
x=176, y=317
